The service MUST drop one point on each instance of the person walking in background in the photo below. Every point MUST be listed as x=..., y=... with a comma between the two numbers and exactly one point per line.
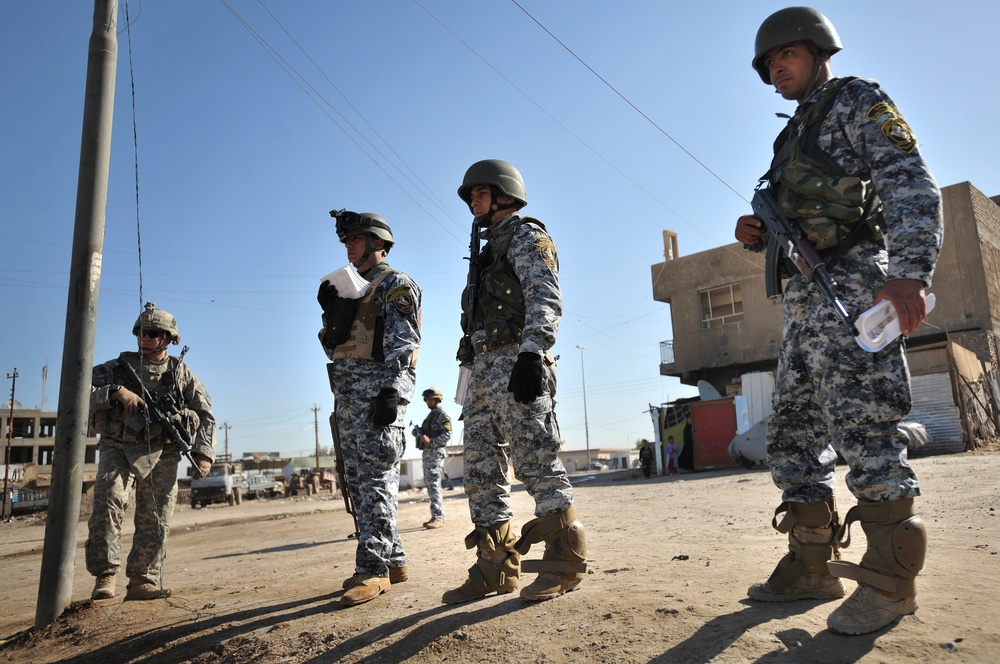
x=136, y=453
x=511, y=310
x=847, y=171
x=372, y=343
x=432, y=436
x=646, y=458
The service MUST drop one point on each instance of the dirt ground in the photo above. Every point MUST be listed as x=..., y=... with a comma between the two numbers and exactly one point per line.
x=669, y=564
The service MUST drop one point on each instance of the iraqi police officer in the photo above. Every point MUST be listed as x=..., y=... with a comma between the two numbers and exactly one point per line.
x=511, y=312
x=372, y=344
x=135, y=453
x=848, y=172
x=432, y=436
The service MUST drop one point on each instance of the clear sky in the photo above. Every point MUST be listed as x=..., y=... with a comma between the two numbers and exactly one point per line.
x=247, y=139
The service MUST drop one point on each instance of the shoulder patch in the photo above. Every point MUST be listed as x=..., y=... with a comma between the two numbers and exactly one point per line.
x=547, y=250
x=899, y=134
x=880, y=109
x=402, y=298
x=447, y=425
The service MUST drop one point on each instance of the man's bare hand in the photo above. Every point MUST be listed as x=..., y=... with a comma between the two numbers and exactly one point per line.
x=749, y=229
x=907, y=296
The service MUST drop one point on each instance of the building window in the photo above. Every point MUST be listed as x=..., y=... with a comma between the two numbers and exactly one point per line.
x=721, y=306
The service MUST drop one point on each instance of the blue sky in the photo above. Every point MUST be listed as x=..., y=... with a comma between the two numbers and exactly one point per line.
x=381, y=106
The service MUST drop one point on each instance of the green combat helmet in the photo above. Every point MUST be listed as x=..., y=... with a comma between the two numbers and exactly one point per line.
x=790, y=25
x=500, y=176
x=362, y=223
x=432, y=393
x=157, y=319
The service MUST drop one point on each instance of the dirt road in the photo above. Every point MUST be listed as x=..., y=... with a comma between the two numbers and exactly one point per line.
x=669, y=564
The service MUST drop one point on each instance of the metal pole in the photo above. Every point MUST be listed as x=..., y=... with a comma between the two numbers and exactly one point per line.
x=59, y=549
x=6, y=461
x=315, y=410
x=226, y=426
x=586, y=424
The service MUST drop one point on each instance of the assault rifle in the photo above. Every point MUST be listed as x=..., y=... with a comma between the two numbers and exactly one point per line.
x=338, y=465
x=159, y=412
x=473, y=281
x=787, y=240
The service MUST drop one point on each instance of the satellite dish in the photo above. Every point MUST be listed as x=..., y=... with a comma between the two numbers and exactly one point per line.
x=707, y=392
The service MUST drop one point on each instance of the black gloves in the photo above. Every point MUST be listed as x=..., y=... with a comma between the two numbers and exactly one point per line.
x=385, y=407
x=527, y=378
x=339, y=312
x=326, y=296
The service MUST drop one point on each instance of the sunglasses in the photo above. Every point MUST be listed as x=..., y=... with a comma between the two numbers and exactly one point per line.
x=154, y=334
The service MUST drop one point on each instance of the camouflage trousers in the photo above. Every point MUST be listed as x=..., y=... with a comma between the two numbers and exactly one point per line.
x=123, y=466
x=433, y=471
x=500, y=432
x=371, y=463
x=832, y=396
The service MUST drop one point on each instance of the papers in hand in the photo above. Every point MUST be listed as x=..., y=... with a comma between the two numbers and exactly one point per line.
x=879, y=326
x=348, y=282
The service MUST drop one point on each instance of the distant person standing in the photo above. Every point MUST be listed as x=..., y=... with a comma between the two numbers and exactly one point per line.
x=671, y=451
x=847, y=172
x=432, y=436
x=372, y=343
x=137, y=454
x=646, y=459
x=511, y=312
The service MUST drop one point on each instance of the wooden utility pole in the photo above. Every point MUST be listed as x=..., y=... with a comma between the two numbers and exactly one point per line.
x=6, y=462
x=315, y=410
x=226, y=426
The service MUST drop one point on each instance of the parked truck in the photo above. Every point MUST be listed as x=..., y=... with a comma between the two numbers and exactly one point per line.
x=225, y=483
x=264, y=486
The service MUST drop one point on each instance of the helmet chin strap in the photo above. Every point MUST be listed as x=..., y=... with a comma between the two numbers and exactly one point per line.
x=369, y=250
x=495, y=206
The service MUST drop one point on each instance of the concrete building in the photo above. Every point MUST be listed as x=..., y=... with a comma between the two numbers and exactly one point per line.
x=32, y=445
x=724, y=327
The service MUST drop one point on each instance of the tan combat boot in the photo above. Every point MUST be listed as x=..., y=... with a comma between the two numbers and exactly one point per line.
x=497, y=564
x=563, y=565
x=104, y=587
x=887, y=587
x=802, y=573
x=366, y=587
x=396, y=575
x=140, y=588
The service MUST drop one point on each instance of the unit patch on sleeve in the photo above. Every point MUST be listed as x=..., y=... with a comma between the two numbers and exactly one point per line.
x=401, y=297
x=547, y=250
x=899, y=134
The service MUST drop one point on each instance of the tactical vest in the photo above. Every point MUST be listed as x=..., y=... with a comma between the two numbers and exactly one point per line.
x=430, y=427
x=365, y=339
x=114, y=423
x=833, y=209
x=500, y=303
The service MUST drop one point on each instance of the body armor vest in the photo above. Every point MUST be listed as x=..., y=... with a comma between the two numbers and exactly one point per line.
x=365, y=339
x=500, y=304
x=832, y=208
x=159, y=379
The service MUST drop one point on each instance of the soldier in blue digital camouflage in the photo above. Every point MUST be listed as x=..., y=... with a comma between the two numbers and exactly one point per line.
x=137, y=454
x=372, y=344
x=432, y=436
x=848, y=172
x=511, y=312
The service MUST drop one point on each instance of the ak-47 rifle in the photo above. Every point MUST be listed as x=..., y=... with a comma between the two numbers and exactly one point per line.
x=472, y=285
x=159, y=412
x=787, y=240
x=339, y=463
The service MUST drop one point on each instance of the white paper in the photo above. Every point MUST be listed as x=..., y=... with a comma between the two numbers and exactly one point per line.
x=879, y=326
x=464, y=373
x=348, y=282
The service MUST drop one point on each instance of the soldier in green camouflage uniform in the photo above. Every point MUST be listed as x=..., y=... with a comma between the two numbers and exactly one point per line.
x=847, y=170
x=372, y=343
x=142, y=458
x=509, y=409
x=432, y=436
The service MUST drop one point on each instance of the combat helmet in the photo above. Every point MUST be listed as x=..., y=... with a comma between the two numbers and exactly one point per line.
x=362, y=223
x=432, y=393
x=790, y=25
x=499, y=175
x=157, y=319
